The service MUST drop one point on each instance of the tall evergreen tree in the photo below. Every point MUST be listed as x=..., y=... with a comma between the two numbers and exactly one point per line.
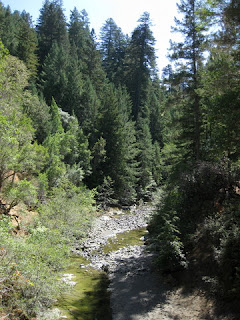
x=140, y=63
x=27, y=46
x=9, y=24
x=113, y=48
x=146, y=183
x=189, y=55
x=19, y=36
x=79, y=34
x=54, y=77
x=220, y=82
x=51, y=27
x=94, y=70
x=118, y=132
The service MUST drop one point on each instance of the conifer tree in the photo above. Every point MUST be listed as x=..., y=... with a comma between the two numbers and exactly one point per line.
x=140, y=63
x=27, y=46
x=73, y=89
x=220, y=89
x=189, y=54
x=113, y=48
x=94, y=70
x=9, y=28
x=19, y=36
x=79, y=34
x=51, y=28
x=146, y=182
x=54, y=74
x=118, y=132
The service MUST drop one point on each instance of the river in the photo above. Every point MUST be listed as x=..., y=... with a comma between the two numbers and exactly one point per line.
x=114, y=277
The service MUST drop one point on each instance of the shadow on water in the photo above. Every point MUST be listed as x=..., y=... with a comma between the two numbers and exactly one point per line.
x=89, y=299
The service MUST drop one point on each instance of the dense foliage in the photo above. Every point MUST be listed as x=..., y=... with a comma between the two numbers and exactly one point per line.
x=196, y=225
x=84, y=121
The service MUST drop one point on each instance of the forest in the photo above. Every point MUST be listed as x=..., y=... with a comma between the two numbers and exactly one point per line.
x=87, y=123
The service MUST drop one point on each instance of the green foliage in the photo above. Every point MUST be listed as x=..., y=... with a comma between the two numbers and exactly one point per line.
x=79, y=36
x=27, y=46
x=105, y=193
x=3, y=52
x=18, y=153
x=140, y=62
x=113, y=49
x=222, y=231
x=13, y=81
x=19, y=191
x=38, y=111
x=165, y=234
x=19, y=37
x=118, y=131
x=55, y=118
x=53, y=76
x=111, y=125
x=145, y=158
x=29, y=282
x=30, y=265
x=69, y=211
x=51, y=28
x=220, y=78
x=56, y=168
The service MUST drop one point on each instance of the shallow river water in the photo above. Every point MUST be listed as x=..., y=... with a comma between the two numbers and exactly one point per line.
x=89, y=296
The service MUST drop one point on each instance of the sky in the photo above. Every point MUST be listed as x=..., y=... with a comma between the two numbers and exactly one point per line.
x=125, y=13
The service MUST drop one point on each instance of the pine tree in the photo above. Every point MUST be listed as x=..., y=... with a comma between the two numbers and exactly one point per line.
x=73, y=89
x=113, y=48
x=94, y=70
x=19, y=36
x=27, y=46
x=146, y=182
x=54, y=75
x=140, y=63
x=154, y=101
x=220, y=83
x=79, y=34
x=51, y=28
x=189, y=54
x=90, y=106
x=117, y=130
x=9, y=24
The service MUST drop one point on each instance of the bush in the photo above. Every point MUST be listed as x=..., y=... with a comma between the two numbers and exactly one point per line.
x=28, y=278
x=165, y=234
x=229, y=266
x=30, y=265
x=69, y=211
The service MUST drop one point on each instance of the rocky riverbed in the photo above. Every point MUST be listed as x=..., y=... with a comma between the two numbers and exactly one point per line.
x=137, y=291
x=106, y=228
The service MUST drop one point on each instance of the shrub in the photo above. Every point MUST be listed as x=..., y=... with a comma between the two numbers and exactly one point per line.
x=28, y=278
x=30, y=264
x=69, y=211
x=165, y=234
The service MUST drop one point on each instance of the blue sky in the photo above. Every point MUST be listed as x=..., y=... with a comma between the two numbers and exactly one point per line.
x=124, y=12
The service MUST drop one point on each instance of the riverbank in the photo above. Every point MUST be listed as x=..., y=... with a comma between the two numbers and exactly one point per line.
x=137, y=291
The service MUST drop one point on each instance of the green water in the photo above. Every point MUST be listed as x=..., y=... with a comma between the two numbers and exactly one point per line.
x=123, y=239
x=89, y=299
